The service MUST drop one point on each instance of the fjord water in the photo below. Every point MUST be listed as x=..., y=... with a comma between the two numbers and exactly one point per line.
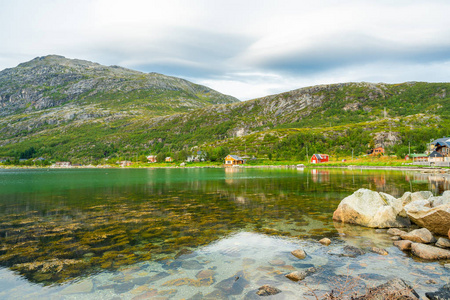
x=181, y=233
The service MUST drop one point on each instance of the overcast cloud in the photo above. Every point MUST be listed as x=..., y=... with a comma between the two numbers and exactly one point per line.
x=243, y=48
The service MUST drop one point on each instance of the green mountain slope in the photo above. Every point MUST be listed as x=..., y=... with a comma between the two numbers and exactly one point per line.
x=51, y=81
x=125, y=121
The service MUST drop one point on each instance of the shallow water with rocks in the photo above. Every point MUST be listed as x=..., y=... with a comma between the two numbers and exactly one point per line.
x=197, y=234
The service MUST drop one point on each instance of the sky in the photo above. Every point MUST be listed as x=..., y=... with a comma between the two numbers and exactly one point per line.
x=246, y=49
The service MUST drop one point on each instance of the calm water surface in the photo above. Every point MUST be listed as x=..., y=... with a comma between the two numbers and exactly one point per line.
x=193, y=233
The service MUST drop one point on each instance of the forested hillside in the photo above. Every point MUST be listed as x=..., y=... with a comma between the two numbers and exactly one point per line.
x=81, y=111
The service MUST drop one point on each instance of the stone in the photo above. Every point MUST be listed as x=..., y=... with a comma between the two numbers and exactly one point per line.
x=422, y=235
x=277, y=262
x=351, y=251
x=205, y=274
x=435, y=219
x=380, y=251
x=191, y=265
x=233, y=285
x=325, y=241
x=395, y=238
x=267, y=290
x=393, y=289
x=441, y=200
x=84, y=286
x=395, y=231
x=296, y=276
x=443, y=243
x=415, y=206
x=429, y=252
x=422, y=195
x=441, y=294
x=370, y=209
x=447, y=266
x=300, y=275
x=299, y=253
x=403, y=245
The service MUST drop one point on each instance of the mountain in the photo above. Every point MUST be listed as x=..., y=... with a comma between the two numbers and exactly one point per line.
x=51, y=81
x=70, y=109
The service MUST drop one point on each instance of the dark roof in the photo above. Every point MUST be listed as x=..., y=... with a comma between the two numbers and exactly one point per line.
x=236, y=157
x=445, y=141
x=435, y=154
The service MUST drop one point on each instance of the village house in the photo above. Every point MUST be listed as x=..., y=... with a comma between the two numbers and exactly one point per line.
x=232, y=160
x=435, y=157
x=169, y=159
x=419, y=157
x=319, y=158
x=151, y=158
x=441, y=146
x=125, y=163
x=377, y=151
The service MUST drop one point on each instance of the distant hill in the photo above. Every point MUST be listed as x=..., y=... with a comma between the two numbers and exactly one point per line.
x=71, y=109
x=51, y=81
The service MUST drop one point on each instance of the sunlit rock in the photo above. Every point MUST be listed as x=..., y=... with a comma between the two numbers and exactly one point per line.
x=371, y=209
x=422, y=235
x=435, y=219
x=429, y=252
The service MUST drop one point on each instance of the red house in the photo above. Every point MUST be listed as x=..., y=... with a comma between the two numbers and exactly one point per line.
x=319, y=158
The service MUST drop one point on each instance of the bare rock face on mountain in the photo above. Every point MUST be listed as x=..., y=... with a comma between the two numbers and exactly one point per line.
x=53, y=80
x=371, y=209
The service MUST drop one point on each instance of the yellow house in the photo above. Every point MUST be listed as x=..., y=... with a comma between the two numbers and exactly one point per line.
x=169, y=159
x=232, y=160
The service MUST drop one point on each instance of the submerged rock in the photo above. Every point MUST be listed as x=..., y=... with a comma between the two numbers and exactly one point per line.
x=299, y=253
x=371, y=209
x=422, y=235
x=267, y=290
x=393, y=289
x=429, y=252
x=85, y=286
x=380, y=251
x=325, y=241
x=234, y=285
x=441, y=294
x=300, y=275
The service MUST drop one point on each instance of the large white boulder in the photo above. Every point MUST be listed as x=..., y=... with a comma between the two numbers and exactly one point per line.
x=371, y=209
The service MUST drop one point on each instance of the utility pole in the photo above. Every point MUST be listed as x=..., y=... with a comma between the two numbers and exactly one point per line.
x=409, y=149
x=307, y=157
x=352, y=154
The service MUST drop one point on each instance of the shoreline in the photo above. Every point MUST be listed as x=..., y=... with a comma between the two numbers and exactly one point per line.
x=287, y=166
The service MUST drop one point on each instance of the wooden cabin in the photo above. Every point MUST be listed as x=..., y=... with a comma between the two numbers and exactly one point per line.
x=232, y=160
x=376, y=152
x=319, y=158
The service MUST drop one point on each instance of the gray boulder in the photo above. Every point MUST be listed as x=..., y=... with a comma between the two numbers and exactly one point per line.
x=370, y=209
x=441, y=294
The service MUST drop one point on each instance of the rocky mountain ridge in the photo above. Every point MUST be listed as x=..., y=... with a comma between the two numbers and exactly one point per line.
x=50, y=81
